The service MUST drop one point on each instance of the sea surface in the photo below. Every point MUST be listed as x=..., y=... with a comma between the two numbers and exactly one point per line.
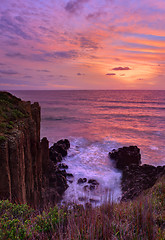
x=95, y=122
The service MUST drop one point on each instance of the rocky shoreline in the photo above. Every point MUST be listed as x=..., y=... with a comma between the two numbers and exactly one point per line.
x=27, y=173
x=32, y=173
x=135, y=177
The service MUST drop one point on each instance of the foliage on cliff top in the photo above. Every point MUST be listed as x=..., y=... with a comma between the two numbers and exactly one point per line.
x=143, y=218
x=11, y=110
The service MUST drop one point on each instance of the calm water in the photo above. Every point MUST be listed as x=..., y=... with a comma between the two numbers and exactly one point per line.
x=95, y=122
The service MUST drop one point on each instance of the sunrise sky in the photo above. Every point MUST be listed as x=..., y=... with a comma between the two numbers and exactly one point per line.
x=82, y=44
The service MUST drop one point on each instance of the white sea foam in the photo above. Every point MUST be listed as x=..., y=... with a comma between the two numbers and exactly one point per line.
x=154, y=148
x=90, y=160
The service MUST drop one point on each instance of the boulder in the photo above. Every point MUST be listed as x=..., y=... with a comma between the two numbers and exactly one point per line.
x=57, y=179
x=54, y=155
x=82, y=199
x=126, y=156
x=92, y=187
x=69, y=175
x=81, y=180
x=93, y=182
x=65, y=143
x=136, y=179
x=63, y=165
x=61, y=183
x=59, y=150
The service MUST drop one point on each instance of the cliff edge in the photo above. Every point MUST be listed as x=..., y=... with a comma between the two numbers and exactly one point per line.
x=24, y=160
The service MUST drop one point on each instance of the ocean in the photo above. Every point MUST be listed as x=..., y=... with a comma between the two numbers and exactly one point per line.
x=95, y=122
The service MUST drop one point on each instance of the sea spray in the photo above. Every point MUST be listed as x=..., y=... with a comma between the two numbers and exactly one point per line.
x=87, y=159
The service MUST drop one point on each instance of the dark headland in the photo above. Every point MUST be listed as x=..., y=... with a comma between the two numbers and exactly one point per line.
x=31, y=173
x=27, y=175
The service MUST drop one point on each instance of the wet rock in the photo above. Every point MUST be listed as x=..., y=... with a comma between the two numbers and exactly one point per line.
x=54, y=155
x=61, y=183
x=82, y=199
x=85, y=187
x=65, y=143
x=69, y=175
x=59, y=147
x=126, y=156
x=81, y=180
x=92, y=187
x=93, y=182
x=57, y=179
x=63, y=165
x=70, y=181
x=94, y=200
x=63, y=172
x=136, y=179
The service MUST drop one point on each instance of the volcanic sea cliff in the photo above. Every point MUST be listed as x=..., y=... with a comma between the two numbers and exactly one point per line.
x=27, y=175
x=29, y=172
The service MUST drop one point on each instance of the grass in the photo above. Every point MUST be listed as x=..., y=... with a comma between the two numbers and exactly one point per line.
x=141, y=219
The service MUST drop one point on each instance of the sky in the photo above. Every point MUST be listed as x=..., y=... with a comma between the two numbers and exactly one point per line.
x=82, y=44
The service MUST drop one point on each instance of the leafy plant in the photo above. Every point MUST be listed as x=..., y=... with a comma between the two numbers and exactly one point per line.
x=142, y=219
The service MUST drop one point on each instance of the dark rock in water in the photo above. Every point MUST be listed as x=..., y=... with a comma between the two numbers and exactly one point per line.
x=63, y=172
x=65, y=143
x=85, y=188
x=93, y=182
x=57, y=181
x=70, y=181
x=61, y=183
x=63, y=165
x=82, y=199
x=126, y=156
x=136, y=179
x=54, y=155
x=58, y=174
x=92, y=187
x=69, y=175
x=81, y=180
x=61, y=148
x=93, y=200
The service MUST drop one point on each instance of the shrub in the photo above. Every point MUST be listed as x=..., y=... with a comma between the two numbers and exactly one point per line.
x=142, y=219
x=2, y=138
x=3, y=125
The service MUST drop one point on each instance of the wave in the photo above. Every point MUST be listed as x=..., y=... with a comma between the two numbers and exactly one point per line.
x=90, y=160
x=66, y=119
x=128, y=116
x=136, y=102
x=130, y=107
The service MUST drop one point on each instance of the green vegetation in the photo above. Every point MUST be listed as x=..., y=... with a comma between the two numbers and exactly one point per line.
x=2, y=138
x=11, y=110
x=143, y=218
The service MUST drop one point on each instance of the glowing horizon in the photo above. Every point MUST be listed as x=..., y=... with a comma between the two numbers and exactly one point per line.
x=82, y=44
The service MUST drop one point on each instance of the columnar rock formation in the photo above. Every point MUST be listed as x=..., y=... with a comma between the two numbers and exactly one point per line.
x=24, y=160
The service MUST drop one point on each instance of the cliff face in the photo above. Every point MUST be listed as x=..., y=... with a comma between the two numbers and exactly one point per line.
x=24, y=160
